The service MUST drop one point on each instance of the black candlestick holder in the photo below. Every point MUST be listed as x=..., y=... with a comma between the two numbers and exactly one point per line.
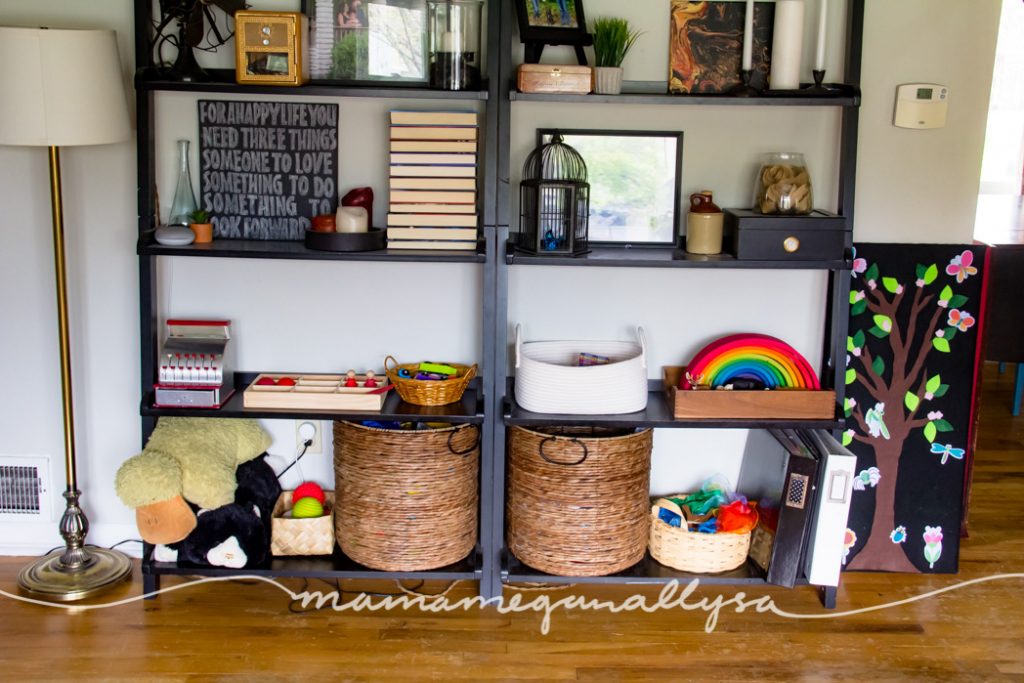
x=744, y=89
x=818, y=88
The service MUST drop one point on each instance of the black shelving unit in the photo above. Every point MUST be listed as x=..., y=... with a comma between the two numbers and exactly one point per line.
x=489, y=403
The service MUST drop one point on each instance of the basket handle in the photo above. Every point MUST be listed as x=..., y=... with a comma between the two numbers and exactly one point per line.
x=476, y=441
x=519, y=343
x=470, y=373
x=394, y=363
x=643, y=345
x=586, y=452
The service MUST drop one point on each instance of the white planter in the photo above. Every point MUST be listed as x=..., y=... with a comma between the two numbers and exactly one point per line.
x=608, y=80
x=549, y=381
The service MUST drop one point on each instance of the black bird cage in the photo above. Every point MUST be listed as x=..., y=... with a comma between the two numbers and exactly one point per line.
x=554, y=201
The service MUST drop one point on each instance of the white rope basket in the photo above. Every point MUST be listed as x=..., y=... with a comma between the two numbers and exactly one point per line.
x=548, y=379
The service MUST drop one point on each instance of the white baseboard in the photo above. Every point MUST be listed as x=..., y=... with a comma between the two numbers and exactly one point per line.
x=32, y=538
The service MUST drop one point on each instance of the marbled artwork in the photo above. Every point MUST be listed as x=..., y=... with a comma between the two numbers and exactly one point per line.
x=706, y=45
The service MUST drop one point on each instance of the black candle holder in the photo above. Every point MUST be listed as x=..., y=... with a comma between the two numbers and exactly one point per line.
x=744, y=89
x=818, y=88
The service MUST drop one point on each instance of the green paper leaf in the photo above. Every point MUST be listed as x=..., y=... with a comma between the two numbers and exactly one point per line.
x=847, y=438
x=849, y=344
x=878, y=365
x=941, y=391
x=872, y=272
x=943, y=425
x=874, y=331
x=891, y=284
x=851, y=376
x=859, y=307
x=946, y=294
x=930, y=274
x=847, y=407
x=957, y=301
x=911, y=401
x=883, y=322
x=933, y=384
x=853, y=296
x=940, y=344
x=949, y=333
x=919, y=271
x=858, y=339
x=929, y=432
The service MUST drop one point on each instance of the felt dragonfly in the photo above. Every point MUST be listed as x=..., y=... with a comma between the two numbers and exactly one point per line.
x=947, y=451
x=876, y=421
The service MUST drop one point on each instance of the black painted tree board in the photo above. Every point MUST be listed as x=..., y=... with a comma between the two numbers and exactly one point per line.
x=912, y=360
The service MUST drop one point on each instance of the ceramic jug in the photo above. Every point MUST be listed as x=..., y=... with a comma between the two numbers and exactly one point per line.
x=703, y=225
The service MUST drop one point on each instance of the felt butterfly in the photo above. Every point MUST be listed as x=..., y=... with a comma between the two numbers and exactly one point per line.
x=960, y=266
x=961, y=319
x=947, y=451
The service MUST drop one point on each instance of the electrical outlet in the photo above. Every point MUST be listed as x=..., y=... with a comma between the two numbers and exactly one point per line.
x=306, y=430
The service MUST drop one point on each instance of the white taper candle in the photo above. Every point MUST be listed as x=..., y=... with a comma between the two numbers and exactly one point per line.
x=748, y=36
x=819, y=54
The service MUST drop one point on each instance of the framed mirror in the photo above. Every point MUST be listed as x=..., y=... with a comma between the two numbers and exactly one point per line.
x=634, y=178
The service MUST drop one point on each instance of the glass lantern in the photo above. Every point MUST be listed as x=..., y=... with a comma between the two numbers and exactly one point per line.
x=554, y=201
x=453, y=39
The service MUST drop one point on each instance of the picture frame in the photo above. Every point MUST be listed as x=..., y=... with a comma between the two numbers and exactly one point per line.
x=634, y=178
x=551, y=22
x=359, y=41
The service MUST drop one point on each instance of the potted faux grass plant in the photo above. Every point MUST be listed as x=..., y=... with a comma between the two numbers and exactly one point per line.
x=613, y=38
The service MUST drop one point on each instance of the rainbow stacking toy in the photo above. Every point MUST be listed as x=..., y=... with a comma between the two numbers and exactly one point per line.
x=749, y=356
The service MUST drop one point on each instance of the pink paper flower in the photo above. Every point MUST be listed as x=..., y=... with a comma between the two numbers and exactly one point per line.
x=961, y=319
x=932, y=534
x=960, y=266
x=935, y=415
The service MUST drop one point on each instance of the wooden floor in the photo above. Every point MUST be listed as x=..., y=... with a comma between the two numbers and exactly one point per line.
x=230, y=631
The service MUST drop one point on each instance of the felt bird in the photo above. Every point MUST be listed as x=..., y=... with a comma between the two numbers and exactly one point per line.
x=876, y=421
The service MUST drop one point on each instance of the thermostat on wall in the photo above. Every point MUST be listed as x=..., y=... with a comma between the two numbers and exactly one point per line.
x=921, y=105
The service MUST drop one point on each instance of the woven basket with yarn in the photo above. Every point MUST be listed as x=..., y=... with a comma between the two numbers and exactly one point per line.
x=425, y=392
x=578, y=498
x=692, y=551
x=406, y=500
x=310, y=536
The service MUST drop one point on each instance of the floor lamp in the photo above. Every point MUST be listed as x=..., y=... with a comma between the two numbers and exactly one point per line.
x=61, y=88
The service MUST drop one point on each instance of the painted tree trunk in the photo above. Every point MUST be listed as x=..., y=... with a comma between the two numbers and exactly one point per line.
x=880, y=553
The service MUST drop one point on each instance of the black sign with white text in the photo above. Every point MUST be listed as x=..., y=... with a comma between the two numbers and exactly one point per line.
x=266, y=168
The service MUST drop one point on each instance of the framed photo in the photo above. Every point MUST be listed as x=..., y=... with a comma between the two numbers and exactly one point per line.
x=552, y=22
x=634, y=178
x=367, y=40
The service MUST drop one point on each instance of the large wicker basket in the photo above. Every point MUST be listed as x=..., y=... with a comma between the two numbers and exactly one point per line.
x=691, y=551
x=578, y=499
x=406, y=500
x=422, y=392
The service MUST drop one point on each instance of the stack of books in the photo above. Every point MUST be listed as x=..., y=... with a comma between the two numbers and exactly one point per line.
x=432, y=202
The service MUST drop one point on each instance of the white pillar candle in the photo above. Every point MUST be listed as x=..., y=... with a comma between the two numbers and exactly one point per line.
x=351, y=219
x=819, y=54
x=748, y=36
x=787, y=45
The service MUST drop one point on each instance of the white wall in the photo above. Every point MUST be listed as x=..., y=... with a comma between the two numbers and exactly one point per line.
x=912, y=186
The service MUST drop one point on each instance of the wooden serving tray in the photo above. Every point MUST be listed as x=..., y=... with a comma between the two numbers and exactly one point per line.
x=798, y=404
x=316, y=392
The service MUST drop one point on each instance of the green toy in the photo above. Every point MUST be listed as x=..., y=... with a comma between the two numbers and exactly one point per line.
x=438, y=368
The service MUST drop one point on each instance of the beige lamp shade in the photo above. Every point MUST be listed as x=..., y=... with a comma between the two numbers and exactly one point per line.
x=61, y=88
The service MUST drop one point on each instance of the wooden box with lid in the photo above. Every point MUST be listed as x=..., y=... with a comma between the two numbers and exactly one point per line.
x=555, y=78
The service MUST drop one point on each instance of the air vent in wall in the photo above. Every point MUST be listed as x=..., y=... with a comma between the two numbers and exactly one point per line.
x=24, y=487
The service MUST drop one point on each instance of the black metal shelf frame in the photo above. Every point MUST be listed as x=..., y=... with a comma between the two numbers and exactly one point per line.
x=489, y=402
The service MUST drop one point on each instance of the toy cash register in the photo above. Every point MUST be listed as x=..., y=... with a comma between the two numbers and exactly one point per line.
x=196, y=365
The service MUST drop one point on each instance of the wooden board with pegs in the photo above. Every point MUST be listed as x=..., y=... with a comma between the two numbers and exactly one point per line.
x=315, y=392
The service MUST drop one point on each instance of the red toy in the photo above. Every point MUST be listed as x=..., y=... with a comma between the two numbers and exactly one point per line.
x=308, y=489
x=265, y=381
x=350, y=379
x=371, y=380
x=286, y=382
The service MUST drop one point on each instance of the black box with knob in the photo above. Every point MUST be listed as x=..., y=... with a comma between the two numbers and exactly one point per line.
x=817, y=236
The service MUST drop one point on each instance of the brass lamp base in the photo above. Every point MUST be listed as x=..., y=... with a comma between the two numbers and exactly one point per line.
x=49, y=578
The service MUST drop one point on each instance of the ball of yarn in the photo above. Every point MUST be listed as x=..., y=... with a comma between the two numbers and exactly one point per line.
x=307, y=507
x=309, y=489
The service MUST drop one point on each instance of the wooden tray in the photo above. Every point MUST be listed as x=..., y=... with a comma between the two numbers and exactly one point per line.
x=316, y=392
x=799, y=404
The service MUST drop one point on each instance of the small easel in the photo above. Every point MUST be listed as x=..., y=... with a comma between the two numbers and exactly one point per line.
x=535, y=36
